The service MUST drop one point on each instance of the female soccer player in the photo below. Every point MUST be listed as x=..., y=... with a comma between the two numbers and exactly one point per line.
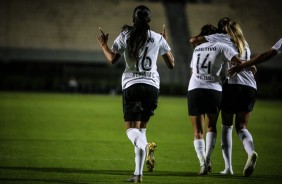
x=140, y=81
x=238, y=97
x=204, y=92
x=258, y=59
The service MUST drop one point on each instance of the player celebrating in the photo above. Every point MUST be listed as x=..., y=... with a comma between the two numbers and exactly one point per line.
x=140, y=81
x=238, y=97
x=205, y=92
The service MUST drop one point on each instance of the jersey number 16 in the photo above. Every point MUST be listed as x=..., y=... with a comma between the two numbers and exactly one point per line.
x=146, y=62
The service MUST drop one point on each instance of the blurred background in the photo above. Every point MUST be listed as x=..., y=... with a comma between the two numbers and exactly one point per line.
x=50, y=45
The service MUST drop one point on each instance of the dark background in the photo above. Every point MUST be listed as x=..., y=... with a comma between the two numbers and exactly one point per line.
x=45, y=43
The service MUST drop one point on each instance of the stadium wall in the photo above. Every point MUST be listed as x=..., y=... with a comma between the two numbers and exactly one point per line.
x=44, y=43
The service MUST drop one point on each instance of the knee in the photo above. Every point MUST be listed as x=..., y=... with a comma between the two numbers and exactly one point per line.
x=198, y=135
x=212, y=129
x=240, y=126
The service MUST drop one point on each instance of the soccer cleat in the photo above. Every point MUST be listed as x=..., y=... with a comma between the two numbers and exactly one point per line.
x=203, y=170
x=250, y=164
x=204, y=167
x=209, y=166
x=150, y=160
x=227, y=172
x=135, y=179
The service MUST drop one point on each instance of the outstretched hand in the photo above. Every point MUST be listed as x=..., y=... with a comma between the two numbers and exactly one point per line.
x=102, y=39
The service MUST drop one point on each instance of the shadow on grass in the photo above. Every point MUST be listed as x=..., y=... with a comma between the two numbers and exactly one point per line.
x=90, y=171
x=252, y=179
x=24, y=180
x=170, y=174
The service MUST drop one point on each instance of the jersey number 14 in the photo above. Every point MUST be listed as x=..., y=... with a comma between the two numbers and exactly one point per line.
x=203, y=64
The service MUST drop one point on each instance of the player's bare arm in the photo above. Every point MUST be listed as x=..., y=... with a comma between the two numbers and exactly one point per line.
x=167, y=57
x=169, y=60
x=256, y=60
x=164, y=32
x=237, y=62
x=197, y=40
x=110, y=55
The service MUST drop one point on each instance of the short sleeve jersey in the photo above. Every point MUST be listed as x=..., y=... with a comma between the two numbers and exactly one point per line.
x=143, y=69
x=207, y=63
x=246, y=76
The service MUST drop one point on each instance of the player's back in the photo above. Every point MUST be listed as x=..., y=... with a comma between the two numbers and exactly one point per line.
x=208, y=58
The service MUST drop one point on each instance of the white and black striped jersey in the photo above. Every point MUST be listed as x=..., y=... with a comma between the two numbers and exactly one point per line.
x=246, y=76
x=278, y=46
x=144, y=69
x=207, y=62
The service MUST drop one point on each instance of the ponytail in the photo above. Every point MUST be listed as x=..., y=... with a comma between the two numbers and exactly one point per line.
x=235, y=31
x=138, y=33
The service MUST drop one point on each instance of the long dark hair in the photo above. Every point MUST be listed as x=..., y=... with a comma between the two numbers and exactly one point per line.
x=208, y=29
x=138, y=33
x=222, y=23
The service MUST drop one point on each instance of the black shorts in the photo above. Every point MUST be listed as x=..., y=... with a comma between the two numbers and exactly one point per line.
x=203, y=101
x=139, y=102
x=238, y=98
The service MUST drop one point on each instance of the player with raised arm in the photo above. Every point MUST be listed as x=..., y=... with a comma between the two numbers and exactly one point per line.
x=273, y=51
x=205, y=93
x=140, y=47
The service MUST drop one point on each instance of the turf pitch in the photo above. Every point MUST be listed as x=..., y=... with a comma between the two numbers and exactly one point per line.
x=72, y=138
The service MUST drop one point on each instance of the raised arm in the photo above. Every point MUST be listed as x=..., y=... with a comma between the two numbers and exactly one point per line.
x=167, y=57
x=254, y=61
x=110, y=55
x=261, y=58
x=257, y=59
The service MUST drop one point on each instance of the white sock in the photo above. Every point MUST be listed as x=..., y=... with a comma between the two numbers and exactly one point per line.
x=143, y=131
x=199, y=145
x=247, y=140
x=226, y=145
x=140, y=156
x=210, y=143
x=137, y=139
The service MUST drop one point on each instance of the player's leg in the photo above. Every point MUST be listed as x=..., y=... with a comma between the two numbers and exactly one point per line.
x=149, y=102
x=213, y=103
x=196, y=99
x=148, y=154
x=137, y=139
x=210, y=138
x=132, y=109
x=248, y=98
x=247, y=141
x=226, y=141
x=230, y=97
x=134, y=135
x=199, y=142
x=140, y=156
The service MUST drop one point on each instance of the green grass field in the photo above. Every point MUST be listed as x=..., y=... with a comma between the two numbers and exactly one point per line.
x=65, y=138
